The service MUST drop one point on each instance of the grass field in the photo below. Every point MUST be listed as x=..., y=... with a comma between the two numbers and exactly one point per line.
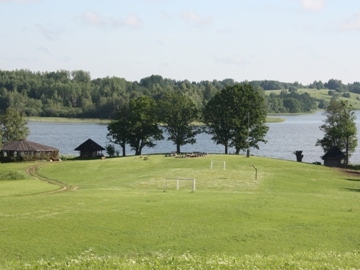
x=115, y=214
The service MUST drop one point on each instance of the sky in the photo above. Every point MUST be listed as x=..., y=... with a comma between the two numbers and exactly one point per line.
x=195, y=40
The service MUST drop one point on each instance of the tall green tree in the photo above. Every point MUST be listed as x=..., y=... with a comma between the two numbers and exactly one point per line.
x=119, y=128
x=136, y=124
x=236, y=117
x=143, y=124
x=13, y=126
x=178, y=112
x=339, y=128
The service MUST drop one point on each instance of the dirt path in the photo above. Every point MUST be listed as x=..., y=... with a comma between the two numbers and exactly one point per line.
x=33, y=171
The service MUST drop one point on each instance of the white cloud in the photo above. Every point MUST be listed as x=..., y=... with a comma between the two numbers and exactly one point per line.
x=91, y=18
x=196, y=19
x=94, y=19
x=351, y=24
x=313, y=5
x=50, y=32
x=131, y=21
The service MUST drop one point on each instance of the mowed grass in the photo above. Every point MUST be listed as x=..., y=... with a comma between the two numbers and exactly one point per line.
x=118, y=207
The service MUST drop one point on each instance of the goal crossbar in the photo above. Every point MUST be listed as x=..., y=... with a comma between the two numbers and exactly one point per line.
x=178, y=182
x=213, y=162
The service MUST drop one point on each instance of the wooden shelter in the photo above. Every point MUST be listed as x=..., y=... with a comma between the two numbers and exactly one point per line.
x=22, y=150
x=334, y=157
x=90, y=149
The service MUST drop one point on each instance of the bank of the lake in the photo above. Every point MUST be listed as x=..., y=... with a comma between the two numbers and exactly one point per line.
x=297, y=132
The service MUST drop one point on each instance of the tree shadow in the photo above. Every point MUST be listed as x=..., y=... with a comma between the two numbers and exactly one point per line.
x=352, y=189
x=353, y=176
x=352, y=179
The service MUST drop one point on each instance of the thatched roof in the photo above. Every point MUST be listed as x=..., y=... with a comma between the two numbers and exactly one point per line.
x=27, y=146
x=334, y=153
x=89, y=146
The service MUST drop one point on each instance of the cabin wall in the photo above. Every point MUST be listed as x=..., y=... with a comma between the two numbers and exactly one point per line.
x=332, y=162
x=88, y=154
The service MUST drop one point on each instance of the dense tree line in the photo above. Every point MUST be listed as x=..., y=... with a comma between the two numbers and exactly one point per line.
x=75, y=94
x=290, y=102
x=235, y=117
x=336, y=85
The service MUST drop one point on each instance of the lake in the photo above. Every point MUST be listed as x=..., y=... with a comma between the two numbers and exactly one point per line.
x=297, y=132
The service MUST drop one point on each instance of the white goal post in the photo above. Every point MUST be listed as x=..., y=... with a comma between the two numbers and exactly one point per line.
x=178, y=182
x=215, y=162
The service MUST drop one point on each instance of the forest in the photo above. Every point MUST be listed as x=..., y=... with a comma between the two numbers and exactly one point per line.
x=75, y=94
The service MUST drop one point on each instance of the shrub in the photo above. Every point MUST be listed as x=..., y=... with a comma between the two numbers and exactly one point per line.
x=110, y=150
x=11, y=175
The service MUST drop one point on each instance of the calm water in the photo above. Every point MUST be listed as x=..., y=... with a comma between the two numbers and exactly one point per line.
x=298, y=132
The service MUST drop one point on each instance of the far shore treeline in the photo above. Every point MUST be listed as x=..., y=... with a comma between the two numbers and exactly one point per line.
x=73, y=94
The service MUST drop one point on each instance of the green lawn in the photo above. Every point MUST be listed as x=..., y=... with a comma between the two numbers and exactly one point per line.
x=116, y=212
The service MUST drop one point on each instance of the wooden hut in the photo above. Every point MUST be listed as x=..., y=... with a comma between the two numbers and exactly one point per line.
x=334, y=157
x=22, y=150
x=90, y=149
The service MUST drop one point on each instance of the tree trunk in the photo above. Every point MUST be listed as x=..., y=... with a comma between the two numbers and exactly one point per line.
x=347, y=152
x=178, y=148
x=299, y=155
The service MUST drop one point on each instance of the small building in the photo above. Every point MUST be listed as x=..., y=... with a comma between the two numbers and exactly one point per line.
x=24, y=150
x=90, y=149
x=334, y=157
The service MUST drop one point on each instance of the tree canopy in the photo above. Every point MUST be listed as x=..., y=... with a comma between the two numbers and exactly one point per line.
x=177, y=113
x=13, y=126
x=235, y=117
x=339, y=128
x=119, y=128
x=136, y=124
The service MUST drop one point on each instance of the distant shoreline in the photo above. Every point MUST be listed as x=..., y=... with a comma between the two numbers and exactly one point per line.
x=67, y=120
x=270, y=119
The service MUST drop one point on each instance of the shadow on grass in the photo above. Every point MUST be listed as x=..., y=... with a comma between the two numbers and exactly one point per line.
x=352, y=179
x=353, y=189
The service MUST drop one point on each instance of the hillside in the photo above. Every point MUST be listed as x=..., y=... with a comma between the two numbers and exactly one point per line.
x=323, y=94
x=119, y=208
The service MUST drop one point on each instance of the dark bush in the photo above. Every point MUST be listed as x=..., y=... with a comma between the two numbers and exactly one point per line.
x=11, y=175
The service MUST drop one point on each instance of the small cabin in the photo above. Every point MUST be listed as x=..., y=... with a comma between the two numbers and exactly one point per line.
x=334, y=157
x=90, y=149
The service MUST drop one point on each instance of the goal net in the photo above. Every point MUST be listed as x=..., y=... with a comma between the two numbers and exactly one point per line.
x=178, y=180
x=218, y=164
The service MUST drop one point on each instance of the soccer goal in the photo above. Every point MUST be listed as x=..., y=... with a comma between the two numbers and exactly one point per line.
x=217, y=164
x=178, y=180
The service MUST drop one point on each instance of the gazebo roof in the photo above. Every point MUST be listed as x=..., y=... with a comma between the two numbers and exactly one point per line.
x=27, y=146
x=90, y=146
x=333, y=153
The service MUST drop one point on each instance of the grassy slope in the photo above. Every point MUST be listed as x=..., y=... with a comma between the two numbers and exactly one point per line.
x=120, y=208
x=323, y=94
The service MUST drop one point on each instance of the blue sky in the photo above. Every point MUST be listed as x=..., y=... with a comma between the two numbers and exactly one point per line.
x=285, y=40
